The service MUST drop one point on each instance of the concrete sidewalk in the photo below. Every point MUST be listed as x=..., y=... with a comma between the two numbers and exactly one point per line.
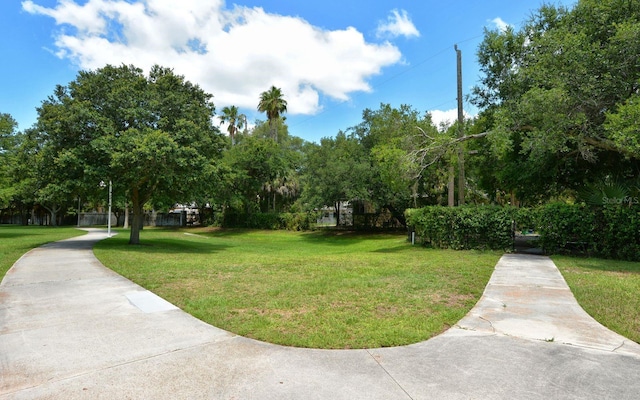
x=72, y=329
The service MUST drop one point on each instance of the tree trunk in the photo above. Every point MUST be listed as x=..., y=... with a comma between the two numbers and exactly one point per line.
x=24, y=217
x=53, y=210
x=461, y=177
x=138, y=218
x=337, y=214
x=451, y=187
x=125, y=225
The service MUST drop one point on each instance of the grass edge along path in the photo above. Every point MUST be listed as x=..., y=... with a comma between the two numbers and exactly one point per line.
x=16, y=240
x=608, y=290
x=306, y=289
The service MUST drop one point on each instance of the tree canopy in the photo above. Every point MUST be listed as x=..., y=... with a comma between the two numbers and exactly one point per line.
x=563, y=91
x=151, y=136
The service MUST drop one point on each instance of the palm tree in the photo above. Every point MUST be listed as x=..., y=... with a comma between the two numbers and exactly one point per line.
x=272, y=103
x=233, y=118
x=243, y=123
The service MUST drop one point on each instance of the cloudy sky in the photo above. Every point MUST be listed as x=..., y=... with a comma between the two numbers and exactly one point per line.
x=331, y=58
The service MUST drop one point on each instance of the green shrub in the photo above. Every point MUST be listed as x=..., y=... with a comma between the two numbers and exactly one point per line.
x=618, y=232
x=468, y=227
x=272, y=221
x=566, y=228
x=299, y=221
x=610, y=231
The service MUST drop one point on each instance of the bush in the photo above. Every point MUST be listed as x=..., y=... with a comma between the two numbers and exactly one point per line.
x=299, y=221
x=467, y=227
x=272, y=221
x=620, y=236
x=566, y=228
x=610, y=231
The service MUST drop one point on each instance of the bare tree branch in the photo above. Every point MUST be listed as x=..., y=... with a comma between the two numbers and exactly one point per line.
x=432, y=150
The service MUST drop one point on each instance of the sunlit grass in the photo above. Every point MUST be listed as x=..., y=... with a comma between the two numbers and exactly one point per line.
x=608, y=290
x=328, y=290
x=318, y=289
x=15, y=240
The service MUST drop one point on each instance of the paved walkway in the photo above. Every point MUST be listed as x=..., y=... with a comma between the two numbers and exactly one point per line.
x=73, y=329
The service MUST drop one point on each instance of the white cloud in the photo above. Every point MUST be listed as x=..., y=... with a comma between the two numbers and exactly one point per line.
x=444, y=119
x=235, y=54
x=397, y=24
x=500, y=24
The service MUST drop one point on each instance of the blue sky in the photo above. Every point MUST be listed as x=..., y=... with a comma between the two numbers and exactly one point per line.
x=331, y=58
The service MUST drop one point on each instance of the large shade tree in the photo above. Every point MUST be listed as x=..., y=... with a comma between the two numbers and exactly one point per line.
x=563, y=92
x=8, y=142
x=389, y=135
x=16, y=170
x=152, y=136
x=260, y=174
x=335, y=171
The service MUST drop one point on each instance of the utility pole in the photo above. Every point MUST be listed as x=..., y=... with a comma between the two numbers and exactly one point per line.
x=451, y=198
x=461, y=177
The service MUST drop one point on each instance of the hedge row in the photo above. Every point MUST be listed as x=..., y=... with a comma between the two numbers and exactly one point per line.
x=611, y=231
x=468, y=227
x=273, y=221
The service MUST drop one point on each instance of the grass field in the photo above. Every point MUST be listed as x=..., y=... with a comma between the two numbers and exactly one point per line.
x=328, y=290
x=317, y=289
x=15, y=240
x=608, y=290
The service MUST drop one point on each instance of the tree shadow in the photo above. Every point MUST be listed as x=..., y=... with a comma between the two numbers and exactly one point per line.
x=16, y=231
x=163, y=246
x=604, y=265
x=396, y=249
x=340, y=237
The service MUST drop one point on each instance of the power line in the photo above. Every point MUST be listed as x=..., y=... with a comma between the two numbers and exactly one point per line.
x=393, y=77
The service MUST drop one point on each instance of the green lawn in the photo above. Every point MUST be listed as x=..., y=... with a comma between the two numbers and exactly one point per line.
x=328, y=290
x=15, y=240
x=608, y=290
x=317, y=289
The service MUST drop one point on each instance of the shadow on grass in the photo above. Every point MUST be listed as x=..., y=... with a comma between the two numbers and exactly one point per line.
x=390, y=250
x=599, y=264
x=15, y=231
x=162, y=246
x=339, y=237
x=326, y=236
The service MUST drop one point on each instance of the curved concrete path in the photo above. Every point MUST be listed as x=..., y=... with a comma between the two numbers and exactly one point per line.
x=73, y=329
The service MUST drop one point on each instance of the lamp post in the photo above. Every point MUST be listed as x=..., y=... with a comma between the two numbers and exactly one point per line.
x=109, y=215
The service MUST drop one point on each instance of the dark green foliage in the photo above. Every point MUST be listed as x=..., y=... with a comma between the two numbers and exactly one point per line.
x=565, y=227
x=151, y=136
x=468, y=227
x=610, y=231
x=299, y=221
x=620, y=232
x=560, y=96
